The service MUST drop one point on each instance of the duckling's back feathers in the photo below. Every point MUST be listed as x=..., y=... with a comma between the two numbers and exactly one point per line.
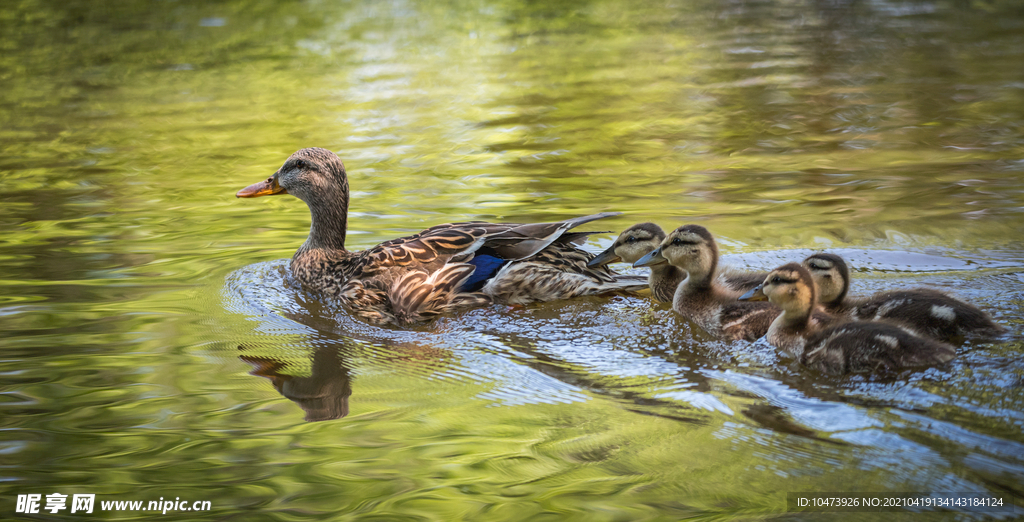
x=928, y=312
x=871, y=346
x=745, y=320
x=740, y=281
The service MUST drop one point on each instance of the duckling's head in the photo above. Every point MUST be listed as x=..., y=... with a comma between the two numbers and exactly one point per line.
x=789, y=287
x=690, y=247
x=314, y=175
x=632, y=244
x=831, y=275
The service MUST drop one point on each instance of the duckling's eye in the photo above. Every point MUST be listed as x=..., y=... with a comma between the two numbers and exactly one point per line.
x=776, y=280
x=677, y=241
x=631, y=239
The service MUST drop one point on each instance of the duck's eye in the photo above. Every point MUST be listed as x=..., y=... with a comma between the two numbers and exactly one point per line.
x=300, y=164
x=677, y=241
x=776, y=280
x=631, y=239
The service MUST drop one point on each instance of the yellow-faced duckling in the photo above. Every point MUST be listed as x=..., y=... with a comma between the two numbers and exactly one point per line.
x=643, y=238
x=925, y=311
x=442, y=268
x=700, y=297
x=791, y=288
x=858, y=346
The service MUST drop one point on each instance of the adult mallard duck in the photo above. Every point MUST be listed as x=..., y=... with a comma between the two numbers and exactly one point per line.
x=838, y=348
x=641, y=239
x=700, y=297
x=442, y=268
x=923, y=310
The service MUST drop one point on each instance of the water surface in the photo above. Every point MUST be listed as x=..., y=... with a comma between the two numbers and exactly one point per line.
x=154, y=347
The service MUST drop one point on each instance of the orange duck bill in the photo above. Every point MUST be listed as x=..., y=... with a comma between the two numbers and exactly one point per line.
x=263, y=188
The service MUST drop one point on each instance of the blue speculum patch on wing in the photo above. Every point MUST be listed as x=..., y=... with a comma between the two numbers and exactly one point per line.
x=486, y=267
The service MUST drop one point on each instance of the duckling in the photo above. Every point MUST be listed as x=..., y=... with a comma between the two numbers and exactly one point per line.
x=700, y=297
x=859, y=346
x=442, y=268
x=636, y=242
x=925, y=311
x=792, y=289
x=642, y=238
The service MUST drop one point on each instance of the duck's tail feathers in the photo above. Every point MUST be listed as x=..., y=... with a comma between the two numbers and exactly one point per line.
x=578, y=238
x=523, y=241
x=629, y=283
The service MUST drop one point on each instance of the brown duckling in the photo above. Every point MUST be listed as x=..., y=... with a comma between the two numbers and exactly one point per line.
x=634, y=243
x=794, y=292
x=700, y=297
x=925, y=311
x=642, y=238
x=858, y=346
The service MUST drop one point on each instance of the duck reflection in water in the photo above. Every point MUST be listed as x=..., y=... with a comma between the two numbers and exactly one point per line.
x=323, y=394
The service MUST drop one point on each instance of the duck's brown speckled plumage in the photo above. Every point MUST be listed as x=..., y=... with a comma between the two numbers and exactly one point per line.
x=835, y=345
x=417, y=277
x=925, y=311
x=700, y=297
x=643, y=238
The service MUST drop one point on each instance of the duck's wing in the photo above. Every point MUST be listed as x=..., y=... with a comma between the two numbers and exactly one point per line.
x=456, y=242
x=418, y=296
x=417, y=277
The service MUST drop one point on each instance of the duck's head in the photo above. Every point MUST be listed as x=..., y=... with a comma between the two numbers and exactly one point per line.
x=632, y=244
x=831, y=275
x=690, y=247
x=314, y=175
x=789, y=287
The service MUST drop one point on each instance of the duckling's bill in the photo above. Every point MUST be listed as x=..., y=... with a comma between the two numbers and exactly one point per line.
x=268, y=187
x=755, y=294
x=652, y=258
x=608, y=256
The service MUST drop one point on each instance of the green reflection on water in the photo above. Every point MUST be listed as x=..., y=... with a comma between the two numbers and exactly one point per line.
x=126, y=129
